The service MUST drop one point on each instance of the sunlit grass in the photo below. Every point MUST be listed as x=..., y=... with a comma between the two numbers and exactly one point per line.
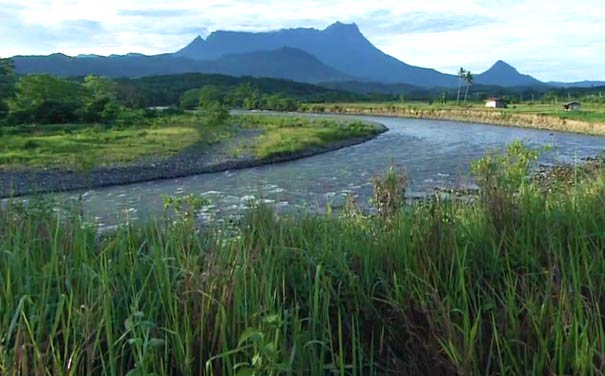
x=290, y=134
x=66, y=145
x=590, y=112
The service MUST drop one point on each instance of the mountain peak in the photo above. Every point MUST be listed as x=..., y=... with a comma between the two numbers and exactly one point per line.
x=339, y=27
x=504, y=74
x=501, y=65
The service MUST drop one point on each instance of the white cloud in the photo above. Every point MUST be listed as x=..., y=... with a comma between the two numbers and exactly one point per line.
x=551, y=39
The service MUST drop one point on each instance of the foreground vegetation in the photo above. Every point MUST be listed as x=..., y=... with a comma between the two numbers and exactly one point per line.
x=510, y=283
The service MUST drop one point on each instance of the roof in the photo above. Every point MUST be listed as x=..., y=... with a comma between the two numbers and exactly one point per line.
x=494, y=99
x=571, y=103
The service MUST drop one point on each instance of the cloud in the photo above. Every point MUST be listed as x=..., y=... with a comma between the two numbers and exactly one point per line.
x=423, y=22
x=546, y=38
x=150, y=13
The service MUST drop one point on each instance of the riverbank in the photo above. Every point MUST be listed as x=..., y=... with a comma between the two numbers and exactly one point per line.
x=505, y=117
x=250, y=145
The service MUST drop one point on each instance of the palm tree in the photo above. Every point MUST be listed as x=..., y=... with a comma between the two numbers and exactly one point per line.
x=461, y=75
x=468, y=78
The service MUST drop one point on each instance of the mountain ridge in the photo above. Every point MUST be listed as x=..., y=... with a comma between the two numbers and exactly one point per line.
x=338, y=52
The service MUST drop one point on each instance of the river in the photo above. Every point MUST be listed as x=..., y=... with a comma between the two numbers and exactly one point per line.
x=432, y=154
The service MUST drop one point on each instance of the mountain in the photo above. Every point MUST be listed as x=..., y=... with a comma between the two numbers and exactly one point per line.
x=285, y=63
x=580, y=84
x=339, y=53
x=113, y=66
x=376, y=88
x=505, y=75
x=340, y=46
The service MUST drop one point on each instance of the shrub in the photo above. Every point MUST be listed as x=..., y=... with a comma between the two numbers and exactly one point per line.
x=389, y=192
x=500, y=177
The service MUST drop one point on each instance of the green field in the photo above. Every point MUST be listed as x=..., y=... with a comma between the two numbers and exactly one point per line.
x=72, y=145
x=590, y=112
x=287, y=135
x=510, y=283
x=66, y=144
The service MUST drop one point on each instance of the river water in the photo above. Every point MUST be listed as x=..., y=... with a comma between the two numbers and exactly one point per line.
x=432, y=153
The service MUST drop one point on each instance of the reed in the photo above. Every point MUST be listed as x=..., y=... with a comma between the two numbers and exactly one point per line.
x=438, y=287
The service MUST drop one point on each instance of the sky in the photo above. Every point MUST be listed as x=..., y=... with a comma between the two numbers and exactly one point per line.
x=549, y=39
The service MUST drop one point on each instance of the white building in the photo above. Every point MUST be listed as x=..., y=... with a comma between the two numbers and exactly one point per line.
x=495, y=103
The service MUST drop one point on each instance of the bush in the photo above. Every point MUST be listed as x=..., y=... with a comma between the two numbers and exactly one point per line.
x=389, y=193
x=216, y=114
x=500, y=177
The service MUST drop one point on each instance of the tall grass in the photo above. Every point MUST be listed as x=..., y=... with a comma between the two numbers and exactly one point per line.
x=440, y=287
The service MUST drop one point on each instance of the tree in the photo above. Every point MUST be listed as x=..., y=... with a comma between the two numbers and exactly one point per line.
x=100, y=87
x=8, y=78
x=468, y=79
x=100, y=103
x=209, y=95
x=216, y=114
x=461, y=75
x=46, y=99
x=190, y=99
x=246, y=96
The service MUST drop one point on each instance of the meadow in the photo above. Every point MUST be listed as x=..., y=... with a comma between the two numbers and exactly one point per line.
x=511, y=282
x=285, y=135
x=72, y=145
x=593, y=113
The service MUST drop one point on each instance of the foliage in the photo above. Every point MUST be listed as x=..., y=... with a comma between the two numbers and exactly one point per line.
x=185, y=207
x=238, y=92
x=389, y=192
x=502, y=176
x=46, y=99
x=290, y=134
x=439, y=289
x=190, y=99
x=216, y=114
x=80, y=145
x=8, y=79
x=136, y=134
x=100, y=104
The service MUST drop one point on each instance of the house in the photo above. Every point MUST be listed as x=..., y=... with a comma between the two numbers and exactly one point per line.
x=572, y=106
x=495, y=103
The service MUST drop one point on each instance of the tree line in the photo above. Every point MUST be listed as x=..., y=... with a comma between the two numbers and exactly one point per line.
x=46, y=99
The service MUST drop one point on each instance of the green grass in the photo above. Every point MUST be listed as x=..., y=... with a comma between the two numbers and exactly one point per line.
x=591, y=112
x=440, y=287
x=68, y=145
x=291, y=134
x=46, y=146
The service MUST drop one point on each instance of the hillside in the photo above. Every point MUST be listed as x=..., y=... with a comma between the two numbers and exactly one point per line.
x=505, y=75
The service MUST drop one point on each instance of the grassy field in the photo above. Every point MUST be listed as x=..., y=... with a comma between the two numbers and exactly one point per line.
x=67, y=145
x=76, y=145
x=287, y=135
x=591, y=112
x=511, y=283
